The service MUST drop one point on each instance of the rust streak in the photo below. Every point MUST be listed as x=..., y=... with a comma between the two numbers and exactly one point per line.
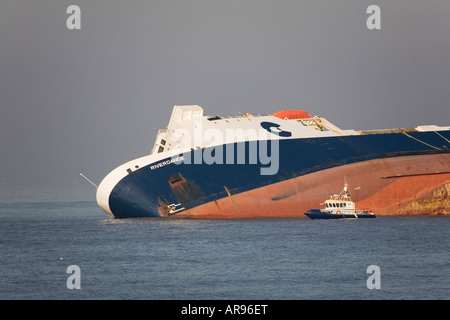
x=229, y=195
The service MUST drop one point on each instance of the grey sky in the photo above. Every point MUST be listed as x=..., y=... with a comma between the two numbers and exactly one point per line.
x=88, y=100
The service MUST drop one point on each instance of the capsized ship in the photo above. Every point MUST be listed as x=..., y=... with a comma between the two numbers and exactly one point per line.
x=278, y=165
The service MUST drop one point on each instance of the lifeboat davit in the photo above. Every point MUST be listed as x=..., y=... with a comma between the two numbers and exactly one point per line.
x=292, y=114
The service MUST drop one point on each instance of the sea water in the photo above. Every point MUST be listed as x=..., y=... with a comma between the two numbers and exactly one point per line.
x=46, y=230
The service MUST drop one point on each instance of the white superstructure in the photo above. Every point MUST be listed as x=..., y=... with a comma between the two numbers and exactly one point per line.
x=189, y=129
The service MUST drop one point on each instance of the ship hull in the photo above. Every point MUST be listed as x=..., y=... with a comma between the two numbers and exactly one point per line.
x=373, y=184
x=390, y=174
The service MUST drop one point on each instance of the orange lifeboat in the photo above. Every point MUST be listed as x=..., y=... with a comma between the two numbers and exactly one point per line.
x=292, y=114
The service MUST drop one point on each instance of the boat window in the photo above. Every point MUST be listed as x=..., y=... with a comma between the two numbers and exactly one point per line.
x=161, y=149
x=163, y=142
x=345, y=205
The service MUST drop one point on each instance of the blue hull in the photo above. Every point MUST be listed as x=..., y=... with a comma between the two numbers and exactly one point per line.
x=143, y=192
x=319, y=214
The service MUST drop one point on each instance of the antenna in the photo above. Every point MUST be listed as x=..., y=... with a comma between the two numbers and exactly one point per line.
x=88, y=180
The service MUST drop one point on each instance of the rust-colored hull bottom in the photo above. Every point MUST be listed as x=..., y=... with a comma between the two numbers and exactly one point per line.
x=413, y=185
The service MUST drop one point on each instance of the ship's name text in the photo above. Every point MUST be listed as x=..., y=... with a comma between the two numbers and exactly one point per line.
x=164, y=163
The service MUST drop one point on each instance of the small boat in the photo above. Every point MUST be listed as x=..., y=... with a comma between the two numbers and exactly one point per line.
x=339, y=206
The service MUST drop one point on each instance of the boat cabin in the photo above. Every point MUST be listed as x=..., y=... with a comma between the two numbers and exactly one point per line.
x=340, y=203
x=343, y=206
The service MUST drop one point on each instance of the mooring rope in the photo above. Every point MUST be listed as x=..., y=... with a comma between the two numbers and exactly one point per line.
x=440, y=135
x=421, y=141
